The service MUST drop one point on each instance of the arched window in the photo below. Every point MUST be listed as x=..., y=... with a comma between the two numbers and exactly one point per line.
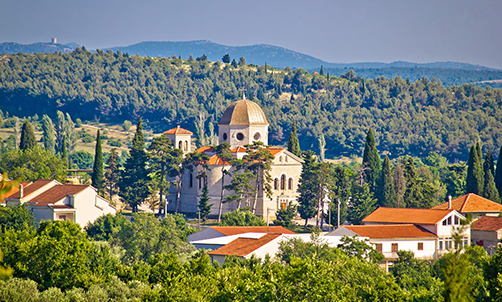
x=200, y=182
x=186, y=145
x=290, y=183
x=280, y=159
x=180, y=145
x=283, y=182
x=285, y=158
x=191, y=180
x=276, y=184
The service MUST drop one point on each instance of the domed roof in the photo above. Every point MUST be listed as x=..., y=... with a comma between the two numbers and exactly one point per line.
x=243, y=112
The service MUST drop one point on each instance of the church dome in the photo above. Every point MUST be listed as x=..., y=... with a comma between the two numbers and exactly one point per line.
x=243, y=112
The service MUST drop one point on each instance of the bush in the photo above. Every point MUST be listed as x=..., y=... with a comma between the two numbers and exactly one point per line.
x=115, y=143
x=241, y=217
x=127, y=125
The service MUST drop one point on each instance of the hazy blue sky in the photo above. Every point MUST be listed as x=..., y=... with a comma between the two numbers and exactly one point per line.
x=335, y=31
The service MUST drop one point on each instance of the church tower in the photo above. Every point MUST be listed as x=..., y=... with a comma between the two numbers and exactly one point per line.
x=242, y=123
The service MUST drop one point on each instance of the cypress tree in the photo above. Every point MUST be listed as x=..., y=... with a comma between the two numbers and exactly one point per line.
x=204, y=206
x=489, y=188
x=64, y=152
x=134, y=181
x=371, y=160
x=307, y=198
x=498, y=174
x=49, y=137
x=28, y=140
x=474, y=182
x=385, y=191
x=111, y=173
x=294, y=143
x=97, y=169
x=362, y=203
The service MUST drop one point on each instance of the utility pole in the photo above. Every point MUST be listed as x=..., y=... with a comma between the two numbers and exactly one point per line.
x=338, y=225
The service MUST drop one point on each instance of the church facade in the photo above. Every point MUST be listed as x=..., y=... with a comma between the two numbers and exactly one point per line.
x=242, y=123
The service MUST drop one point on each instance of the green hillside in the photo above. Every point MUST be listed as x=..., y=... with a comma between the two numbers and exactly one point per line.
x=411, y=118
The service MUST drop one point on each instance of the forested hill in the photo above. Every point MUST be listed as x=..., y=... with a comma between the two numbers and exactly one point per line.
x=407, y=118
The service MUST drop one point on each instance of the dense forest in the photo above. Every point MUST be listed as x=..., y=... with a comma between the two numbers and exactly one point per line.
x=409, y=118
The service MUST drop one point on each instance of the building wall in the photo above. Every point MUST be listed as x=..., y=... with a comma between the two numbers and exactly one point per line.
x=428, y=252
x=489, y=240
x=89, y=206
x=248, y=132
x=42, y=213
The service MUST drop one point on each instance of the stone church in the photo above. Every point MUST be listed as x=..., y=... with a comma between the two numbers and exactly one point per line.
x=242, y=123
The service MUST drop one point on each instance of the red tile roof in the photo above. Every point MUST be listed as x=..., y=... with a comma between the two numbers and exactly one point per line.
x=215, y=160
x=274, y=151
x=56, y=193
x=390, y=231
x=487, y=223
x=61, y=206
x=244, y=246
x=239, y=149
x=406, y=215
x=234, y=230
x=29, y=188
x=178, y=130
x=471, y=203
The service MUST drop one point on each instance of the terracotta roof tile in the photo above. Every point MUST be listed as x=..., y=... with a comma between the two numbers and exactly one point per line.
x=57, y=193
x=471, y=203
x=29, y=188
x=390, y=231
x=406, y=215
x=215, y=160
x=244, y=246
x=234, y=230
x=487, y=223
x=204, y=149
x=238, y=149
x=178, y=130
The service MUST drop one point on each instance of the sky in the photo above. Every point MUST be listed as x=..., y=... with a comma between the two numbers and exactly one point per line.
x=334, y=31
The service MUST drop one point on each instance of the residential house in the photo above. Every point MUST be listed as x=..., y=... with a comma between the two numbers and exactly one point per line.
x=51, y=200
x=487, y=232
x=442, y=223
x=389, y=238
x=222, y=231
x=472, y=205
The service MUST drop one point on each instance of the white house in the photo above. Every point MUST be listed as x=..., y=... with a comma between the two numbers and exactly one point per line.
x=388, y=239
x=51, y=200
x=442, y=223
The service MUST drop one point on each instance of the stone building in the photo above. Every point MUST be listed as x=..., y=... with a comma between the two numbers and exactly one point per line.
x=242, y=123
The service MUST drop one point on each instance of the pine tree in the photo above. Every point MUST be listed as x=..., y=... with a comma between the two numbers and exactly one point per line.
x=64, y=152
x=204, y=206
x=59, y=128
x=371, y=160
x=71, y=134
x=49, y=137
x=97, y=169
x=361, y=204
x=498, y=174
x=112, y=173
x=321, y=72
x=293, y=142
x=474, y=180
x=307, y=195
x=489, y=189
x=28, y=140
x=134, y=181
x=385, y=191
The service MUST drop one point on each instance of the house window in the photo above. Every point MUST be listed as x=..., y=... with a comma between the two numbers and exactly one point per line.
x=283, y=182
x=200, y=182
x=225, y=136
x=280, y=159
x=441, y=244
x=420, y=246
x=276, y=184
x=378, y=247
x=457, y=220
x=191, y=180
x=448, y=243
x=257, y=136
x=240, y=136
x=290, y=184
x=186, y=145
x=448, y=221
x=444, y=222
x=394, y=247
x=62, y=217
x=180, y=145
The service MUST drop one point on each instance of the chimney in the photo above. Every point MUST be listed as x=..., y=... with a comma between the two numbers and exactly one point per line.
x=449, y=202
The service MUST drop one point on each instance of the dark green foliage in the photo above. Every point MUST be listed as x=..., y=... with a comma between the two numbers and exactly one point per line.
x=362, y=249
x=419, y=193
x=361, y=204
x=48, y=137
x=28, y=140
x=134, y=178
x=97, y=179
x=32, y=164
x=64, y=152
x=371, y=160
x=284, y=217
x=241, y=217
x=458, y=286
x=118, y=87
x=307, y=200
x=340, y=189
x=226, y=58
x=385, y=191
x=16, y=218
x=293, y=142
x=489, y=189
x=82, y=159
x=204, y=205
x=475, y=177
x=234, y=63
x=498, y=174
x=112, y=173
x=106, y=227
x=492, y=272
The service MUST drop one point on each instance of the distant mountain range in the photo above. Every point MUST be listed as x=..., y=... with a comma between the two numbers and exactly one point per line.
x=275, y=56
